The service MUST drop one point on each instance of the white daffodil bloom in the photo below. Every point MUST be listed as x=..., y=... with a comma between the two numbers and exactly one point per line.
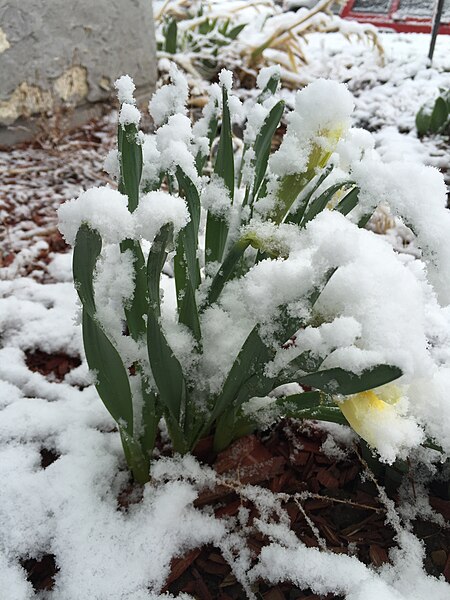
x=379, y=418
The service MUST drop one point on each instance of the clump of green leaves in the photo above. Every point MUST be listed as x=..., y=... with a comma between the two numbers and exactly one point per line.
x=157, y=384
x=204, y=40
x=434, y=117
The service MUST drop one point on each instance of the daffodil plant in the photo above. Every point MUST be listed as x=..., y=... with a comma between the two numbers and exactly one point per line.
x=201, y=278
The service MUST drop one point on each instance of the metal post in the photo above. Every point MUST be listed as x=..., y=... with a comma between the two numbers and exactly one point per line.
x=435, y=26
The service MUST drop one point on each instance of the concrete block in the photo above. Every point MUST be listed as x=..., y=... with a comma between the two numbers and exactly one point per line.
x=57, y=53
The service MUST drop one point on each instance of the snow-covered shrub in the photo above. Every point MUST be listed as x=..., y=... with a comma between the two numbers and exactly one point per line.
x=201, y=36
x=222, y=293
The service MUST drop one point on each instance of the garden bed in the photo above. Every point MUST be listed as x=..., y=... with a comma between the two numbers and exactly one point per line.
x=74, y=526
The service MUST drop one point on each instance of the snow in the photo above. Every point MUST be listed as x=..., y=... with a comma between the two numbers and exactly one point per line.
x=129, y=115
x=155, y=210
x=362, y=313
x=436, y=415
x=369, y=270
x=73, y=514
x=169, y=100
x=150, y=162
x=215, y=197
x=113, y=289
x=383, y=425
x=326, y=573
x=270, y=238
x=173, y=142
x=354, y=147
x=255, y=121
x=226, y=79
x=69, y=508
x=314, y=112
x=112, y=164
x=42, y=306
x=332, y=450
x=125, y=89
x=402, y=187
x=177, y=128
x=103, y=209
x=322, y=341
x=315, y=123
x=216, y=321
x=210, y=111
x=266, y=74
x=236, y=108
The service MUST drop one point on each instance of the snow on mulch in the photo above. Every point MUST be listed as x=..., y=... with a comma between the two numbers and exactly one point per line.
x=35, y=180
x=61, y=463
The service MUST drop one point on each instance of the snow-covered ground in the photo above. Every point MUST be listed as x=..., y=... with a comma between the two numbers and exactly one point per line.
x=69, y=508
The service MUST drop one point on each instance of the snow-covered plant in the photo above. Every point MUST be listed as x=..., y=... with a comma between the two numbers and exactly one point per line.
x=223, y=287
x=204, y=35
x=434, y=116
x=205, y=40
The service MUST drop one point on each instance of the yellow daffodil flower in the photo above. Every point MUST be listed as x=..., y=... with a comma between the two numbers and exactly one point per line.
x=291, y=185
x=321, y=152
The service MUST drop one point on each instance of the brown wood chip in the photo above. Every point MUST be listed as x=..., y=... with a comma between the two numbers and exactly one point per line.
x=329, y=478
x=446, y=571
x=274, y=594
x=378, y=555
x=246, y=451
x=179, y=566
x=442, y=506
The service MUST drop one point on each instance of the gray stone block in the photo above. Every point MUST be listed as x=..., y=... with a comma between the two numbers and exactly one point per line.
x=68, y=53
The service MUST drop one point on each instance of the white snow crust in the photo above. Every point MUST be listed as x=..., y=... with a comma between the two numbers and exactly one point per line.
x=129, y=115
x=125, y=89
x=103, y=209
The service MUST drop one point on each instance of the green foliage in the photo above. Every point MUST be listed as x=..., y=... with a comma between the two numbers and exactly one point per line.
x=344, y=383
x=217, y=228
x=205, y=39
x=165, y=387
x=435, y=118
x=171, y=34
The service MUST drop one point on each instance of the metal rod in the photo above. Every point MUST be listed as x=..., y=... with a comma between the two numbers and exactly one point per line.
x=435, y=26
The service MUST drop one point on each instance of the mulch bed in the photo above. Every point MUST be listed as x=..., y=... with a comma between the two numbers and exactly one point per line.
x=37, y=177
x=41, y=572
x=342, y=505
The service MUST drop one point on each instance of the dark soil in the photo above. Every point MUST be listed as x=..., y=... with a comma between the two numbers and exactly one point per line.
x=48, y=457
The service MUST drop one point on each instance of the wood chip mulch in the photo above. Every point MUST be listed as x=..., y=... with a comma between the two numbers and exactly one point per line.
x=53, y=366
x=332, y=504
x=340, y=502
x=36, y=178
